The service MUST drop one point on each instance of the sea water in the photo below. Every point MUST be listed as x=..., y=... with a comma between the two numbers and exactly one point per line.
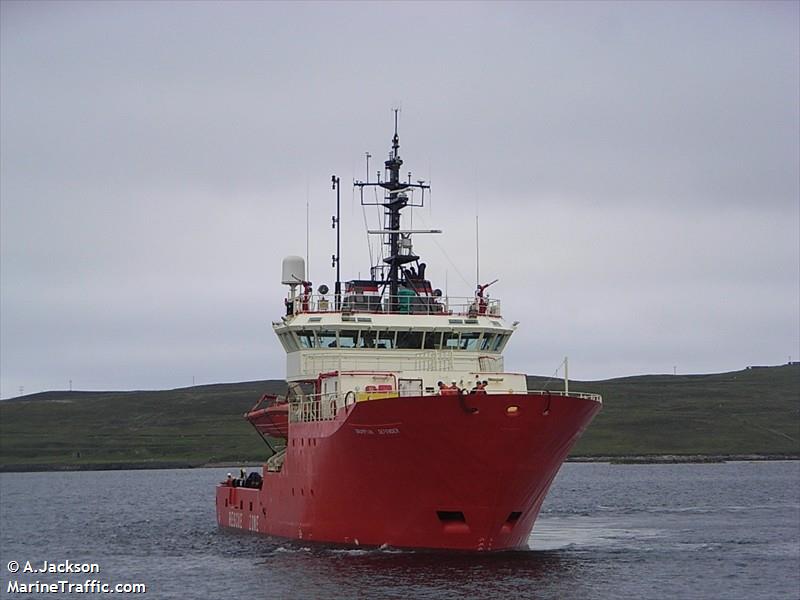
x=727, y=530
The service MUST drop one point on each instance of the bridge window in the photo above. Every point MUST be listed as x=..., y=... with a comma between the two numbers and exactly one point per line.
x=433, y=339
x=469, y=340
x=498, y=342
x=385, y=339
x=450, y=340
x=306, y=339
x=367, y=339
x=289, y=342
x=409, y=339
x=327, y=339
x=486, y=344
x=348, y=338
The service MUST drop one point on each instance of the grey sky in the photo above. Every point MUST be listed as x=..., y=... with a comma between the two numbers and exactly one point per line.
x=634, y=166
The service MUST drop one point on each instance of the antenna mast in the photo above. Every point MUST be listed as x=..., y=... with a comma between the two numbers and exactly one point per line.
x=477, y=255
x=395, y=199
x=308, y=236
x=336, y=258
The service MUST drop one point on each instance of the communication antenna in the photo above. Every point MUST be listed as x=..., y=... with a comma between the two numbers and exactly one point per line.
x=337, y=256
x=308, y=237
x=477, y=255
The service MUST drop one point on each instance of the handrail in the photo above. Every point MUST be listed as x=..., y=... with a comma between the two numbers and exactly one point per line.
x=318, y=407
x=396, y=305
x=582, y=395
x=328, y=405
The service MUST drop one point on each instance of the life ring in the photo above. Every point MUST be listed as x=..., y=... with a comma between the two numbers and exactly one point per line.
x=349, y=398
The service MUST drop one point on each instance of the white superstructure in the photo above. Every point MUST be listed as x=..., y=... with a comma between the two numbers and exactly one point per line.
x=394, y=332
x=431, y=347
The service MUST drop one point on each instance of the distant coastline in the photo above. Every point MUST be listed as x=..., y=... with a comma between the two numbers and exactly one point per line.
x=670, y=459
x=751, y=415
x=666, y=459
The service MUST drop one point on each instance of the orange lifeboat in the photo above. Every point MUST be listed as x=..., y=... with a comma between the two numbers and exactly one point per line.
x=271, y=420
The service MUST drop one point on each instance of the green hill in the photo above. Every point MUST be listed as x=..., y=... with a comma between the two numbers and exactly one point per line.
x=182, y=427
x=755, y=411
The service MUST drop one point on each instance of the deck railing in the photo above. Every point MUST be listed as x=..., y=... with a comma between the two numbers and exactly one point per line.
x=582, y=395
x=319, y=407
x=396, y=305
x=327, y=406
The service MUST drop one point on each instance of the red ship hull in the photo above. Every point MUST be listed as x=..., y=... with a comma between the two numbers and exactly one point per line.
x=416, y=472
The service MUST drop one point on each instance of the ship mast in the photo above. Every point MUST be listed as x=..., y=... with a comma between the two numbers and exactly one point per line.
x=395, y=200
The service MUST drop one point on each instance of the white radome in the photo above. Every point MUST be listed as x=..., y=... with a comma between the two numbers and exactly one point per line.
x=294, y=270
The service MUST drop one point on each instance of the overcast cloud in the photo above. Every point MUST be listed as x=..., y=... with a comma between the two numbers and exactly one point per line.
x=634, y=166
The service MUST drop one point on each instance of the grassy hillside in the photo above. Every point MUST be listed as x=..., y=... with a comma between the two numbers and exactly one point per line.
x=755, y=411
x=188, y=426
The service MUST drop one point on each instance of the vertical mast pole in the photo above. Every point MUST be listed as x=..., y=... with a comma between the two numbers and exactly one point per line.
x=336, y=259
x=477, y=256
x=396, y=201
x=308, y=237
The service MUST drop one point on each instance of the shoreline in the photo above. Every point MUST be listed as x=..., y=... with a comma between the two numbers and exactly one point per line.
x=647, y=459
x=672, y=459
